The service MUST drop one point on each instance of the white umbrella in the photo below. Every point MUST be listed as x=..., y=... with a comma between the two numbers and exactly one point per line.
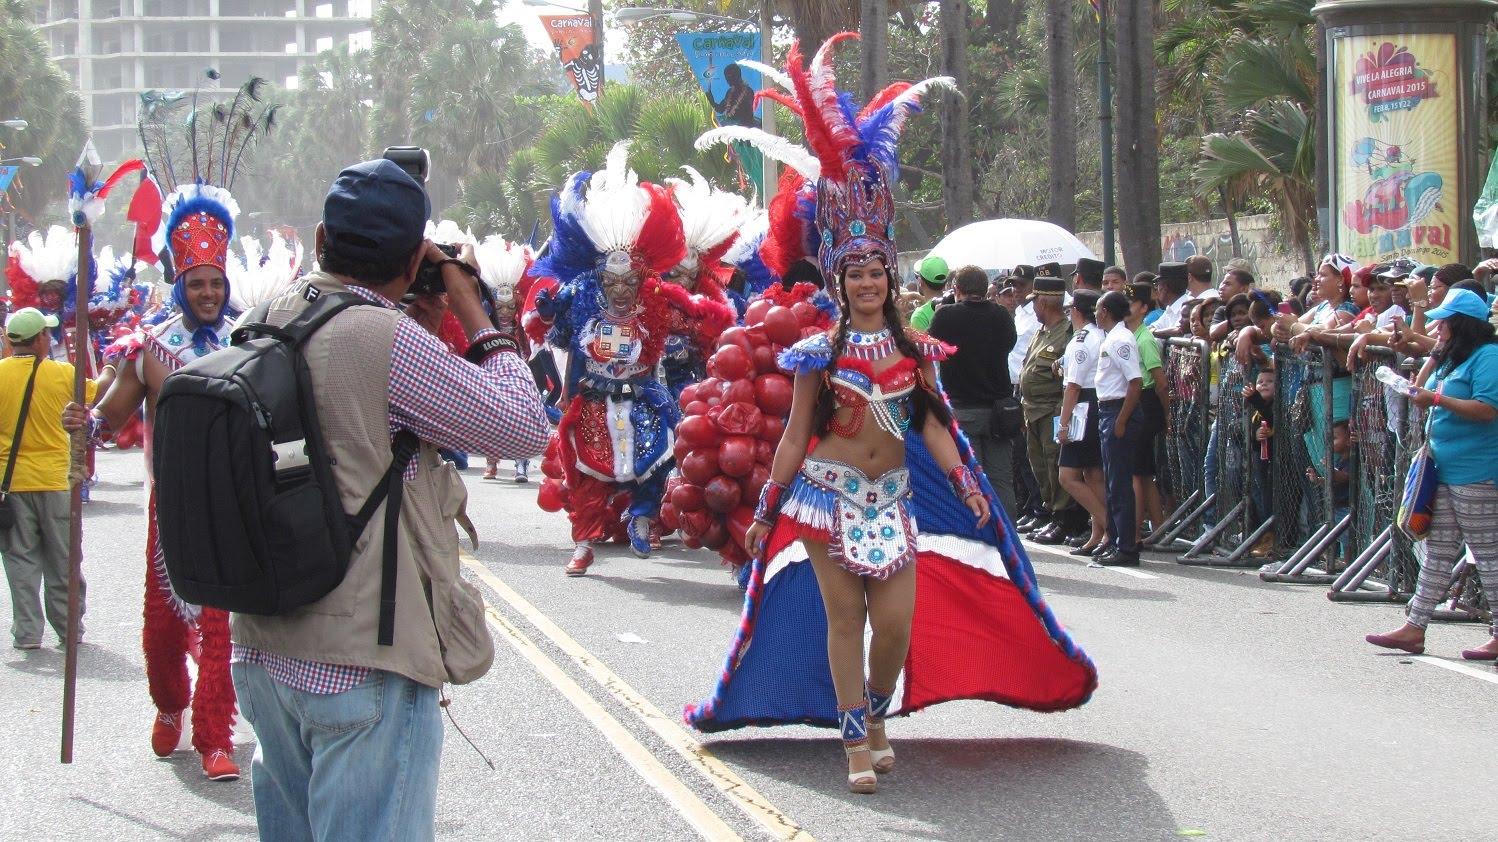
x=995, y=244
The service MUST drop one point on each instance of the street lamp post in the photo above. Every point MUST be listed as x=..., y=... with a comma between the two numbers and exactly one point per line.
x=639, y=14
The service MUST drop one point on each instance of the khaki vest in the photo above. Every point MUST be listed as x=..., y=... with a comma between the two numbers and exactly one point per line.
x=349, y=359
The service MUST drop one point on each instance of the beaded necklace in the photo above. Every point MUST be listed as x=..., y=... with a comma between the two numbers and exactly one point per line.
x=869, y=346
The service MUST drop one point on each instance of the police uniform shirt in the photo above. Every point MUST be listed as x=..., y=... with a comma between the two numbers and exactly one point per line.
x=1082, y=357
x=1118, y=363
x=1040, y=384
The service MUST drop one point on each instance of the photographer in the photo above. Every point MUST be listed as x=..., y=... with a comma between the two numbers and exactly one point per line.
x=349, y=730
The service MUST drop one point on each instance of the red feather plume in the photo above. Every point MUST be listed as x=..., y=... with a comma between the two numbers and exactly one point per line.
x=883, y=98
x=22, y=286
x=785, y=241
x=662, y=244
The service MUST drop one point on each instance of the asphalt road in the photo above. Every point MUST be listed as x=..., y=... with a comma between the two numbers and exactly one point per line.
x=1227, y=709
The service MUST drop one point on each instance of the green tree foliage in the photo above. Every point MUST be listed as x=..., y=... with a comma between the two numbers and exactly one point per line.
x=38, y=91
x=661, y=131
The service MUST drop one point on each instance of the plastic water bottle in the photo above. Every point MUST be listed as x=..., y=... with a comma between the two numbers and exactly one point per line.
x=1264, y=443
x=1394, y=380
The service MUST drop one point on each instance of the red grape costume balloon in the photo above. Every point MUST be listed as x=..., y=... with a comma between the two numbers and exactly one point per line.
x=608, y=460
x=980, y=628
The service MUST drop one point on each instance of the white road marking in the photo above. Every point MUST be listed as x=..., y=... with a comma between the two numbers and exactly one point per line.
x=754, y=805
x=1488, y=674
x=701, y=817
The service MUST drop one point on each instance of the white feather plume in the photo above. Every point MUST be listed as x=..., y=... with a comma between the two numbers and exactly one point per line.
x=49, y=257
x=905, y=103
x=774, y=74
x=501, y=266
x=447, y=233
x=751, y=235
x=613, y=212
x=788, y=153
x=258, y=274
x=708, y=216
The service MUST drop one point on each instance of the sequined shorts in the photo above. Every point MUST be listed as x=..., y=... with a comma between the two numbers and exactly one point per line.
x=866, y=523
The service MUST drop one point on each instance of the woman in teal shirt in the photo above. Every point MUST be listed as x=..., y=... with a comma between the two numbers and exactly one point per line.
x=1463, y=426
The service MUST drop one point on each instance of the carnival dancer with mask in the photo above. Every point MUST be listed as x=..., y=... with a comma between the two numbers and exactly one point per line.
x=613, y=237
x=710, y=221
x=871, y=449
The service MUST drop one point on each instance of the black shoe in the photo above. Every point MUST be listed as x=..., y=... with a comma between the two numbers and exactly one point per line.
x=1036, y=525
x=1050, y=535
x=1085, y=551
x=1024, y=524
x=1103, y=548
x=1077, y=540
x=1118, y=558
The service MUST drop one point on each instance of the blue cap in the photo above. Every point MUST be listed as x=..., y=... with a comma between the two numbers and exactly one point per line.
x=1462, y=301
x=375, y=213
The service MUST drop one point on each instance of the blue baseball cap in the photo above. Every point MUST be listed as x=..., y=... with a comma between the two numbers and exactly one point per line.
x=375, y=213
x=1459, y=301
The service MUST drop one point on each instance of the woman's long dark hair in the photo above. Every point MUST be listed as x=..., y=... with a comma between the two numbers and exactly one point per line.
x=922, y=401
x=1464, y=335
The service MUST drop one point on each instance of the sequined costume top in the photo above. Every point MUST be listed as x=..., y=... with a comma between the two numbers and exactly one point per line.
x=854, y=382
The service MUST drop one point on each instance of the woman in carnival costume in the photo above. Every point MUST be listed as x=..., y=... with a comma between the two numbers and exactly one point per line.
x=954, y=604
x=613, y=237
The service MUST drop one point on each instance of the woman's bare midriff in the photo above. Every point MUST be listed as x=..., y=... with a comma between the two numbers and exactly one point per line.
x=873, y=450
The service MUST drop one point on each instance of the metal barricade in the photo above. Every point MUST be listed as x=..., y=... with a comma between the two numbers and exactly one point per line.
x=1187, y=378
x=1387, y=430
x=1306, y=521
x=1238, y=527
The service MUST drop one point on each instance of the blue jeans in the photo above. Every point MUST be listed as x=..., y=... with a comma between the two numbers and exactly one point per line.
x=1209, y=470
x=361, y=764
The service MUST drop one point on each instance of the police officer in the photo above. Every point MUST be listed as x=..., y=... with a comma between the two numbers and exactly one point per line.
x=1040, y=393
x=1119, y=383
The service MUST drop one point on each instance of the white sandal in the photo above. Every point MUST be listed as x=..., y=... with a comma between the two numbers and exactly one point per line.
x=863, y=783
x=880, y=755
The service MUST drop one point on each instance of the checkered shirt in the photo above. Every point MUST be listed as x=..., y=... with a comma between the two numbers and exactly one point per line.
x=433, y=393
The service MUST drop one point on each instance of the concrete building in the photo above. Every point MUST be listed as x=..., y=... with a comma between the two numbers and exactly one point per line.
x=115, y=49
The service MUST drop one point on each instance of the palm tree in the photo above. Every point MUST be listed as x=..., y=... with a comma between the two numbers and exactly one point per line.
x=39, y=92
x=1137, y=139
x=1273, y=155
x=1061, y=116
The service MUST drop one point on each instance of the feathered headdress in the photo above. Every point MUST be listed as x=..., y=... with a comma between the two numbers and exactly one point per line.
x=52, y=256
x=448, y=233
x=744, y=255
x=610, y=220
x=109, y=303
x=853, y=156
x=196, y=159
x=261, y=273
x=501, y=266
x=710, y=218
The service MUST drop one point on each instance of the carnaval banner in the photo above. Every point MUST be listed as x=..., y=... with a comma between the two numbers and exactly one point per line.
x=1396, y=148
x=714, y=58
x=572, y=35
x=7, y=174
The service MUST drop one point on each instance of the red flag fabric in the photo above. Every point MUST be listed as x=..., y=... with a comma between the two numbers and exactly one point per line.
x=145, y=212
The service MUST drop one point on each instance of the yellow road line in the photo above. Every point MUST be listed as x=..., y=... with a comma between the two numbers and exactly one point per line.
x=693, y=809
x=745, y=797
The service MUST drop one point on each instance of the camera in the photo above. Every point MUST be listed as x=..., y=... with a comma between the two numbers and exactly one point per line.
x=429, y=276
x=413, y=159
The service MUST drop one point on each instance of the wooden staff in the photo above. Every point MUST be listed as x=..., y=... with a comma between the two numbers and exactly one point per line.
x=79, y=446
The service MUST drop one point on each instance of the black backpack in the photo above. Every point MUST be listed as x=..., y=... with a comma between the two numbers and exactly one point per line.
x=248, y=511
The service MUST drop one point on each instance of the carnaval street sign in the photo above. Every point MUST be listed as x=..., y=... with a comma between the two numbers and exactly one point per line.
x=7, y=175
x=1396, y=148
x=572, y=35
x=714, y=58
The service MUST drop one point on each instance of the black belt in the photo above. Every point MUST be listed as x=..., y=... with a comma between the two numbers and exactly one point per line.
x=1087, y=396
x=1110, y=404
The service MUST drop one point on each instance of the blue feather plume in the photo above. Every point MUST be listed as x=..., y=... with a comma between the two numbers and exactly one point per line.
x=571, y=251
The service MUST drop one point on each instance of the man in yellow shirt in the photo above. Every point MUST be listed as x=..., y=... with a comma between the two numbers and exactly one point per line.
x=35, y=548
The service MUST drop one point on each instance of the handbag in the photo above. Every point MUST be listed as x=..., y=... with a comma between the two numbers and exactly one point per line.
x=7, y=513
x=1417, y=503
x=1008, y=418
